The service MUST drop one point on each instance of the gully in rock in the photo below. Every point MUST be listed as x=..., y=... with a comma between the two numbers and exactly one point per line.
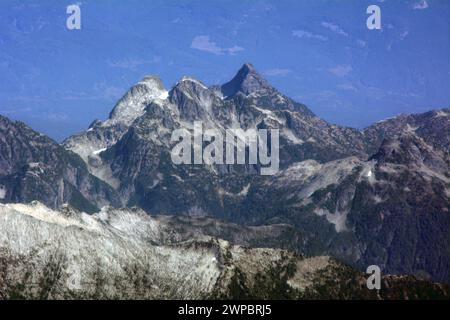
x=237, y=142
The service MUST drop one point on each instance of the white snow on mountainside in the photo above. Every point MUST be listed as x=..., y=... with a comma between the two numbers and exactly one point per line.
x=133, y=103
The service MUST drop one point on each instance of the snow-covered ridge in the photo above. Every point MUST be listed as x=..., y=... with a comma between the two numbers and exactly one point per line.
x=133, y=103
x=190, y=79
x=102, y=135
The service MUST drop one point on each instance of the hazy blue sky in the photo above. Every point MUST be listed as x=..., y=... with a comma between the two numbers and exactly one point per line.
x=317, y=52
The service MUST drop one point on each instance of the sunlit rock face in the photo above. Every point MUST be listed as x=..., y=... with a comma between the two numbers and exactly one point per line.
x=34, y=167
x=127, y=254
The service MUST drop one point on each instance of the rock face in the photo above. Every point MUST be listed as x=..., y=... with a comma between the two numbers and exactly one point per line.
x=392, y=210
x=101, y=135
x=247, y=81
x=134, y=157
x=378, y=196
x=133, y=104
x=127, y=254
x=433, y=127
x=32, y=166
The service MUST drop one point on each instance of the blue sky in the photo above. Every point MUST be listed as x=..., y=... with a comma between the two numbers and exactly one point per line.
x=318, y=52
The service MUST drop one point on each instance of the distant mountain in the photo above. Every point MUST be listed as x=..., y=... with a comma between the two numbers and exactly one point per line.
x=32, y=166
x=378, y=196
x=392, y=211
x=131, y=155
x=433, y=127
x=127, y=254
x=247, y=101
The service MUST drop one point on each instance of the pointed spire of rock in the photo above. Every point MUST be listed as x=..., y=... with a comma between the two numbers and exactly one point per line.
x=246, y=81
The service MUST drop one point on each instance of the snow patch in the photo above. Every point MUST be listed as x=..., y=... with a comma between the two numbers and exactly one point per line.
x=338, y=218
x=441, y=113
x=386, y=119
x=177, y=177
x=269, y=113
x=410, y=128
x=288, y=134
x=96, y=152
x=244, y=190
x=189, y=79
x=368, y=172
x=132, y=105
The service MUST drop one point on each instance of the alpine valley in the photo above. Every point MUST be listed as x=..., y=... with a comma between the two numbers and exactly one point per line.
x=107, y=214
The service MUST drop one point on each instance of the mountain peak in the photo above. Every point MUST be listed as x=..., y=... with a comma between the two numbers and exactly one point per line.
x=186, y=87
x=133, y=103
x=247, y=67
x=409, y=149
x=152, y=81
x=190, y=81
x=246, y=81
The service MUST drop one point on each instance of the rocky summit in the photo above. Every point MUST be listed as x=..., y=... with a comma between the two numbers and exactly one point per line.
x=342, y=200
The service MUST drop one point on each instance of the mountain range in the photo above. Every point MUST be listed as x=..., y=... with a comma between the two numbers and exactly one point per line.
x=378, y=196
